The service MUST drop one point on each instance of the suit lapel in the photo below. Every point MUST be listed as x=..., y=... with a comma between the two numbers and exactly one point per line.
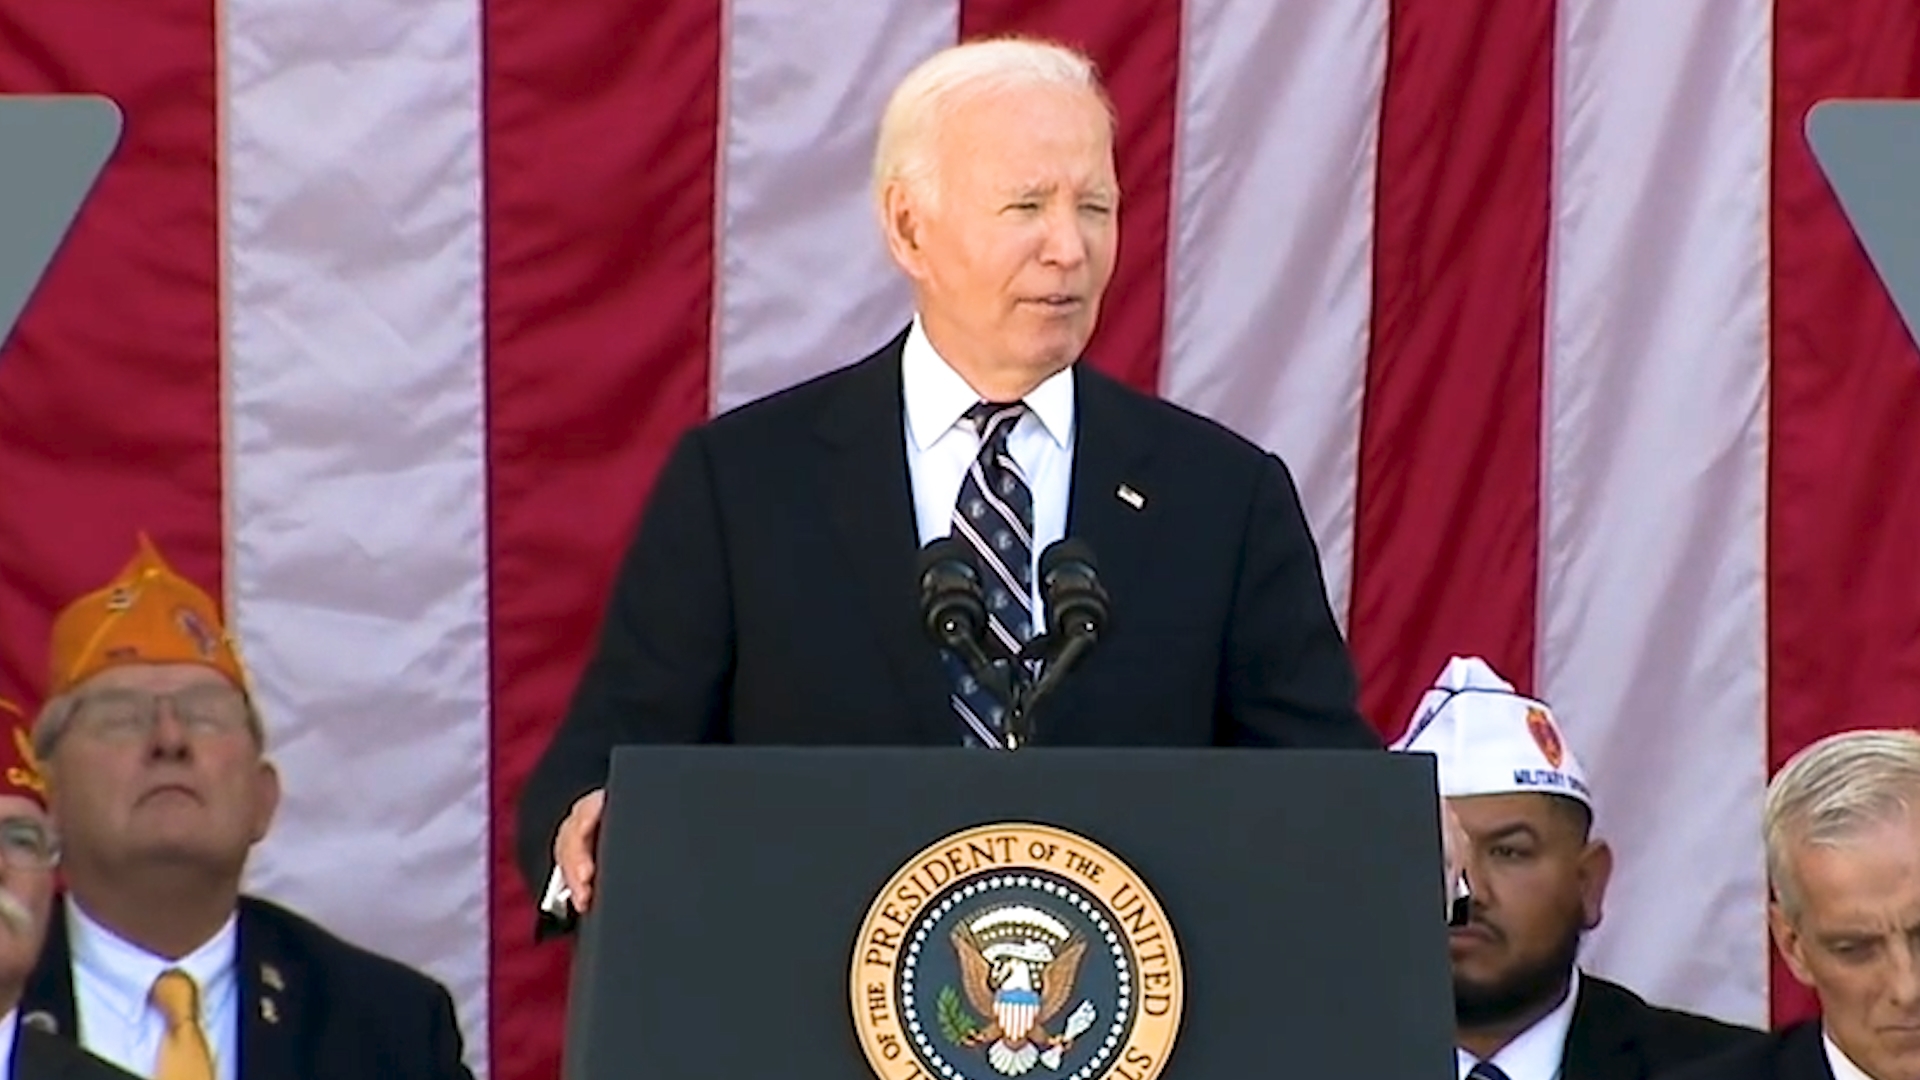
x=40, y=1056
x=1110, y=503
x=48, y=1000
x=1804, y=1055
x=865, y=485
x=32, y=1057
x=1600, y=1041
x=268, y=997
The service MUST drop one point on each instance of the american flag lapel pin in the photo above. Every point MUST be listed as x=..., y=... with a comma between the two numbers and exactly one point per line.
x=1131, y=497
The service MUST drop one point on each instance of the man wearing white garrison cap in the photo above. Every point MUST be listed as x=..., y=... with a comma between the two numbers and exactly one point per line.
x=1523, y=1010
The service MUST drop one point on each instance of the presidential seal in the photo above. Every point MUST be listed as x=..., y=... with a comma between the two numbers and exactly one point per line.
x=1016, y=950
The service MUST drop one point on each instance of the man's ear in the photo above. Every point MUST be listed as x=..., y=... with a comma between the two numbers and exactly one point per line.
x=266, y=800
x=901, y=222
x=1788, y=939
x=1596, y=869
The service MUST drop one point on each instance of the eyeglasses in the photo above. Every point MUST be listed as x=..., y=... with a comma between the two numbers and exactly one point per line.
x=130, y=715
x=27, y=844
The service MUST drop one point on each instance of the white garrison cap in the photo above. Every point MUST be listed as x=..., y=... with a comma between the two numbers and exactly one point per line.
x=1491, y=740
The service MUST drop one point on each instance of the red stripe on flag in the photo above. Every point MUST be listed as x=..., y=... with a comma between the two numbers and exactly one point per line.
x=1136, y=44
x=600, y=141
x=1844, y=485
x=110, y=386
x=1447, y=534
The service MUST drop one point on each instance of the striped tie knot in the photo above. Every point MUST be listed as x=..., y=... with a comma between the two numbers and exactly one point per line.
x=1486, y=1070
x=994, y=420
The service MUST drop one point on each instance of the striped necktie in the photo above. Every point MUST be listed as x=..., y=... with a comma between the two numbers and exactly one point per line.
x=994, y=515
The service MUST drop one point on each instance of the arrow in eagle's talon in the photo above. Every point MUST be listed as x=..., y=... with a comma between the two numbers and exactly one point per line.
x=1079, y=1022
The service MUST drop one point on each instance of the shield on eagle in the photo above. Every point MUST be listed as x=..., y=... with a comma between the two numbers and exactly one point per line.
x=1018, y=964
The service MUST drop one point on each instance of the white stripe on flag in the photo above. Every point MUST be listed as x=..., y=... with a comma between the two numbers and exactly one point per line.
x=356, y=465
x=804, y=280
x=1653, y=645
x=1271, y=261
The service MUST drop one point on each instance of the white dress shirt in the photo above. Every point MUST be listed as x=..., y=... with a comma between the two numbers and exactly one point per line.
x=1536, y=1053
x=112, y=978
x=941, y=446
x=1842, y=1065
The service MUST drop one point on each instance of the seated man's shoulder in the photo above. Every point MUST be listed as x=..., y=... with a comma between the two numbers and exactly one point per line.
x=1732, y=1052
x=331, y=956
x=1757, y=1055
x=1670, y=1034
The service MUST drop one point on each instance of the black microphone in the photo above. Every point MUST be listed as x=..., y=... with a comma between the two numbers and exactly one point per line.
x=1460, y=911
x=953, y=609
x=1077, y=611
x=1076, y=602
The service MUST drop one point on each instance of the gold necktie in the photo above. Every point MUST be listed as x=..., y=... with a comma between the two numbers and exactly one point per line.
x=184, y=1054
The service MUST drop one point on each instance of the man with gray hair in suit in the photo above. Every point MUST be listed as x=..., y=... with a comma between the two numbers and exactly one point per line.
x=1843, y=853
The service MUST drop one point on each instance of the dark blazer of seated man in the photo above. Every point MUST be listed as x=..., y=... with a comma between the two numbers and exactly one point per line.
x=1523, y=1009
x=41, y=1055
x=28, y=853
x=308, y=1005
x=770, y=593
x=160, y=785
x=1842, y=833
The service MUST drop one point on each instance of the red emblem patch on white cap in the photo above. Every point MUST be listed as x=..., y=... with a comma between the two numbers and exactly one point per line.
x=1546, y=736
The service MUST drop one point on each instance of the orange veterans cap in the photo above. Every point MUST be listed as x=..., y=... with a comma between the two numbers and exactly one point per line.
x=146, y=615
x=19, y=769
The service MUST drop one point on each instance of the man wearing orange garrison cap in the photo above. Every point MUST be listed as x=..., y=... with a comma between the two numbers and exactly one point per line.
x=157, y=777
x=28, y=853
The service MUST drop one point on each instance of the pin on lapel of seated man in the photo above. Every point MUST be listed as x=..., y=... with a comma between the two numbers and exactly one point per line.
x=1523, y=1009
x=159, y=779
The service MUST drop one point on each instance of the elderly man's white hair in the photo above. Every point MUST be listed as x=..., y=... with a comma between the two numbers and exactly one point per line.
x=908, y=128
x=1835, y=789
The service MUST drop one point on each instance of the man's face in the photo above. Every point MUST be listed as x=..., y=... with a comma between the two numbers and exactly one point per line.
x=159, y=765
x=26, y=886
x=1013, y=248
x=1537, y=886
x=1856, y=941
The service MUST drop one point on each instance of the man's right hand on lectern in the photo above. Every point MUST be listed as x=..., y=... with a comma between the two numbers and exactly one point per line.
x=575, y=845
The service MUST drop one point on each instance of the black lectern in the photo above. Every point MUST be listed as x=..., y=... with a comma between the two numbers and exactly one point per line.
x=1050, y=913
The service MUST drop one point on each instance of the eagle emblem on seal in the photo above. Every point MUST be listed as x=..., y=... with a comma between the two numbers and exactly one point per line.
x=1017, y=968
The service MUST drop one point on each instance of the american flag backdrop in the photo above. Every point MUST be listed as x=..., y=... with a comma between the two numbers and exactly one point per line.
x=385, y=312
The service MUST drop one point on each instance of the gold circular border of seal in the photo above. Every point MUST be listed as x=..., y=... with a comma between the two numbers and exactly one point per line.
x=984, y=850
